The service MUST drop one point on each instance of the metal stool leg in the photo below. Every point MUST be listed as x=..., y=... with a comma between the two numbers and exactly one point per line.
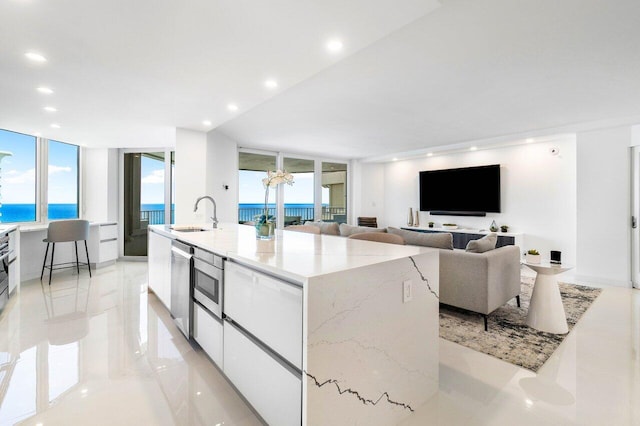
x=44, y=262
x=53, y=250
x=88, y=262
x=77, y=263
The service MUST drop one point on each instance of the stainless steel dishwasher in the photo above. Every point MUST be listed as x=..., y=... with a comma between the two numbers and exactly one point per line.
x=181, y=284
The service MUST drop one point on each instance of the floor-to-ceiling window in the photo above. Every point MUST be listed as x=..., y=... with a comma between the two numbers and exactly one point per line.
x=18, y=175
x=319, y=191
x=253, y=167
x=299, y=204
x=334, y=192
x=148, y=196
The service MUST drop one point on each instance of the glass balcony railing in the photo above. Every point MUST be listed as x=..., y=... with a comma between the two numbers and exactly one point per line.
x=295, y=215
x=155, y=217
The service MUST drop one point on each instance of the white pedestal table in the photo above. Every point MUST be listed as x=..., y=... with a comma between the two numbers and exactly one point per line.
x=546, y=312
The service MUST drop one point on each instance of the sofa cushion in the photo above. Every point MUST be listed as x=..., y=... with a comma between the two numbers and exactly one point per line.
x=441, y=240
x=346, y=230
x=486, y=243
x=327, y=228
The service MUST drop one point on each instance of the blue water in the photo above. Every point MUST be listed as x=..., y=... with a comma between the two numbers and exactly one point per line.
x=27, y=212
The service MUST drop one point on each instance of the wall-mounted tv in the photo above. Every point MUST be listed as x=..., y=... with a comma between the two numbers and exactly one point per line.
x=469, y=191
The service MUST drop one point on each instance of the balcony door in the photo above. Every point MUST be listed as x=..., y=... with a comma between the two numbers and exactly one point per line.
x=148, y=196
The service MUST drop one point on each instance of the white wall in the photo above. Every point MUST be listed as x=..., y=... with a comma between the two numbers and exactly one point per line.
x=368, y=191
x=222, y=168
x=603, y=206
x=204, y=162
x=100, y=183
x=190, y=175
x=538, y=193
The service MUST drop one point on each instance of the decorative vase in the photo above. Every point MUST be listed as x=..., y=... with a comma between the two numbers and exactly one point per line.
x=265, y=226
x=410, y=217
x=493, y=227
x=417, y=221
x=533, y=258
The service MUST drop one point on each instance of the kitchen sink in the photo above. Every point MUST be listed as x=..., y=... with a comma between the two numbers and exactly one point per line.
x=189, y=228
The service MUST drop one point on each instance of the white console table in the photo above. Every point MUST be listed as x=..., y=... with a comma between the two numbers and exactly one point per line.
x=462, y=236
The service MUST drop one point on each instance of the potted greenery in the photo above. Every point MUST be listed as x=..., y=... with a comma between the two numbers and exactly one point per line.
x=504, y=228
x=265, y=224
x=533, y=256
x=430, y=224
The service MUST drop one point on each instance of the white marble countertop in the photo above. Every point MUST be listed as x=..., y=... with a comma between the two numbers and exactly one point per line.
x=293, y=255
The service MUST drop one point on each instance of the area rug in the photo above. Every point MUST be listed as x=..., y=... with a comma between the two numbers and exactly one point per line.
x=509, y=338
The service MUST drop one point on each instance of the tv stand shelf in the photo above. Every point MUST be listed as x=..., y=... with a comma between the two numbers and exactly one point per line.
x=461, y=237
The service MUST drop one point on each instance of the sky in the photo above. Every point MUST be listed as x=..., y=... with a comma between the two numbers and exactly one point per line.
x=18, y=176
x=251, y=190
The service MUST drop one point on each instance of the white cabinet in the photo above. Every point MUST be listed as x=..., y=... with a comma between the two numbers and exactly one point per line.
x=267, y=307
x=207, y=331
x=14, y=261
x=159, y=261
x=269, y=386
x=103, y=244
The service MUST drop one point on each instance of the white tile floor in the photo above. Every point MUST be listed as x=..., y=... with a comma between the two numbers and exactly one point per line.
x=104, y=352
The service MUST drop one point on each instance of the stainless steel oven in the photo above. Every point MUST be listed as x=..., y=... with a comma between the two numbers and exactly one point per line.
x=208, y=277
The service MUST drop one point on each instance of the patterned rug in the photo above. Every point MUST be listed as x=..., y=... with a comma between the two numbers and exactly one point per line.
x=509, y=338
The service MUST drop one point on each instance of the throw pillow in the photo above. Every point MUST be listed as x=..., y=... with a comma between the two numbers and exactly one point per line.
x=486, y=243
x=346, y=230
x=327, y=228
x=441, y=240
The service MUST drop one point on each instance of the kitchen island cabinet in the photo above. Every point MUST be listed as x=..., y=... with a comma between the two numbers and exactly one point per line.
x=326, y=330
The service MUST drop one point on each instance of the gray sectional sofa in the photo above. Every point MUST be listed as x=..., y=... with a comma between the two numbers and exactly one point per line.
x=480, y=281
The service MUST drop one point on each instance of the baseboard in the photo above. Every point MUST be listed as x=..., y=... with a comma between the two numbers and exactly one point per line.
x=595, y=281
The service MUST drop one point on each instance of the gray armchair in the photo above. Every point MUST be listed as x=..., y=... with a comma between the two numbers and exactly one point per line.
x=480, y=282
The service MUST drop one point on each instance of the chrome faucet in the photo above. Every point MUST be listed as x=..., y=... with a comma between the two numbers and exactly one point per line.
x=214, y=219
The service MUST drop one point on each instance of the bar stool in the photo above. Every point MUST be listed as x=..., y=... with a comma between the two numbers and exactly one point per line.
x=63, y=231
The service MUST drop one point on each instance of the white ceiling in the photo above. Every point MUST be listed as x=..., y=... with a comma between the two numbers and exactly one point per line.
x=127, y=73
x=470, y=70
x=414, y=74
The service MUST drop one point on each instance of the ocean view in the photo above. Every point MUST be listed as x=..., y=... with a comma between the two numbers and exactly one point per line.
x=246, y=211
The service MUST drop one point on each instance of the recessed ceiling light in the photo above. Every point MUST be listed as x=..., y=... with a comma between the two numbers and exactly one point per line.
x=50, y=109
x=35, y=57
x=473, y=148
x=334, y=45
x=232, y=107
x=529, y=140
x=271, y=84
x=206, y=123
x=429, y=154
x=394, y=159
x=45, y=90
x=55, y=126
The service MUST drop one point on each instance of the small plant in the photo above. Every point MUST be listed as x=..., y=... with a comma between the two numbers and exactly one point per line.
x=430, y=224
x=504, y=228
x=533, y=252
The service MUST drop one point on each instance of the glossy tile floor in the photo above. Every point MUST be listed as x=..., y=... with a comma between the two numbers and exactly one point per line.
x=105, y=352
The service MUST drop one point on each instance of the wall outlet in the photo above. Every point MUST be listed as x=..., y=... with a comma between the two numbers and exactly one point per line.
x=407, y=291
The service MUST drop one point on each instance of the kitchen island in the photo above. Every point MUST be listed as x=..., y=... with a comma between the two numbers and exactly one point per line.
x=322, y=329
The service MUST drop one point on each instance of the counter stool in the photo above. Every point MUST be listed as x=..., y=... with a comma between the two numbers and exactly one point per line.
x=63, y=231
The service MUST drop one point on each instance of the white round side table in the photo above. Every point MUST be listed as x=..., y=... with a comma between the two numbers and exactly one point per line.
x=546, y=312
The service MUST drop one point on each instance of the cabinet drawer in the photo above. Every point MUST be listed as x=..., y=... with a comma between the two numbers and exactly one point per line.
x=108, y=232
x=273, y=390
x=207, y=331
x=268, y=308
x=108, y=251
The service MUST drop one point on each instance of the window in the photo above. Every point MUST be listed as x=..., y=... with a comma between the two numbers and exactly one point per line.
x=63, y=181
x=252, y=169
x=17, y=177
x=319, y=191
x=299, y=203
x=23, y=160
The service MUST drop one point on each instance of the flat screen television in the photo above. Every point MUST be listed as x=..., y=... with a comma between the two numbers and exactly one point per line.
x=469, y=191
